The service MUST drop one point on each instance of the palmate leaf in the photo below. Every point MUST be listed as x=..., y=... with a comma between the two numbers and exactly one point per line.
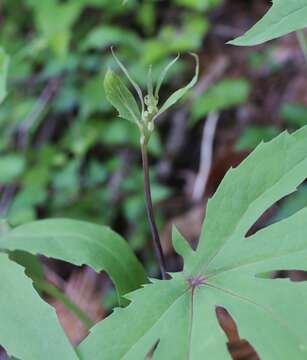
x=29, y=328
x=226, y=270
x=284, y=17
x=79, y=242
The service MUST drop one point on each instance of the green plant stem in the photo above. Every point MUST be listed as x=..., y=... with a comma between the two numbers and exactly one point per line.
x=150, y=214
x=302, y=41
x=58, y=295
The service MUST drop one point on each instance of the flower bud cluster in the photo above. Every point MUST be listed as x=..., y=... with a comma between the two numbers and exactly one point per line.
x=148, y=117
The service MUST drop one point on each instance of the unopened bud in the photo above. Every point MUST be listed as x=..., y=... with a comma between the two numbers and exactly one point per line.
x=147, y=100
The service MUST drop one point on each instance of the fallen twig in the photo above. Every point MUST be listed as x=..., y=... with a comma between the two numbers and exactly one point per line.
x=205, y=156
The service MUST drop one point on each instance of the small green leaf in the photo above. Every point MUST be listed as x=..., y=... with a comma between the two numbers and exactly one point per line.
x=132, y=82
x=177, y=95
x=163, y=75
x=284, y=17
x=29, y=327
x=121, y=98
x=79, y=242
x=4, y=65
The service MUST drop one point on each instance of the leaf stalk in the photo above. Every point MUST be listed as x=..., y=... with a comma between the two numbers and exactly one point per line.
x=150, y=214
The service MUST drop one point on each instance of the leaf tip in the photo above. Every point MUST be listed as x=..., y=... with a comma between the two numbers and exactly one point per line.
x=180, y=244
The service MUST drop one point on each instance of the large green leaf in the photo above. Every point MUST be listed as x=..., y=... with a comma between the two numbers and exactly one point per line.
x=4, y=64
x=29, y=327
x=80, y=243
x=227, y=270
x=284, y=17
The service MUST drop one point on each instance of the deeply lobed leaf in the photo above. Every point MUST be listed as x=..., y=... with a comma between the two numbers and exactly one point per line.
x=272, y=171
x=227, y=270
x=162, y=313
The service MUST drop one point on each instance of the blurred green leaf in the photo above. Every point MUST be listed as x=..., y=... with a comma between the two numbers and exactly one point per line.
x=223, y=95
x=294, y=114
x=96, y=174
x=134, y=205
x=105, y=36
x=68, y=177
x=4, y=65
x=146, y=16
x=12, y=166
x=91, y=96
x=55, y=19
x=37, y=176
x=117, y=132
x=199, y=4
x=254, y=135
x=172, y=40
x=113, y=8
x=22, y=208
